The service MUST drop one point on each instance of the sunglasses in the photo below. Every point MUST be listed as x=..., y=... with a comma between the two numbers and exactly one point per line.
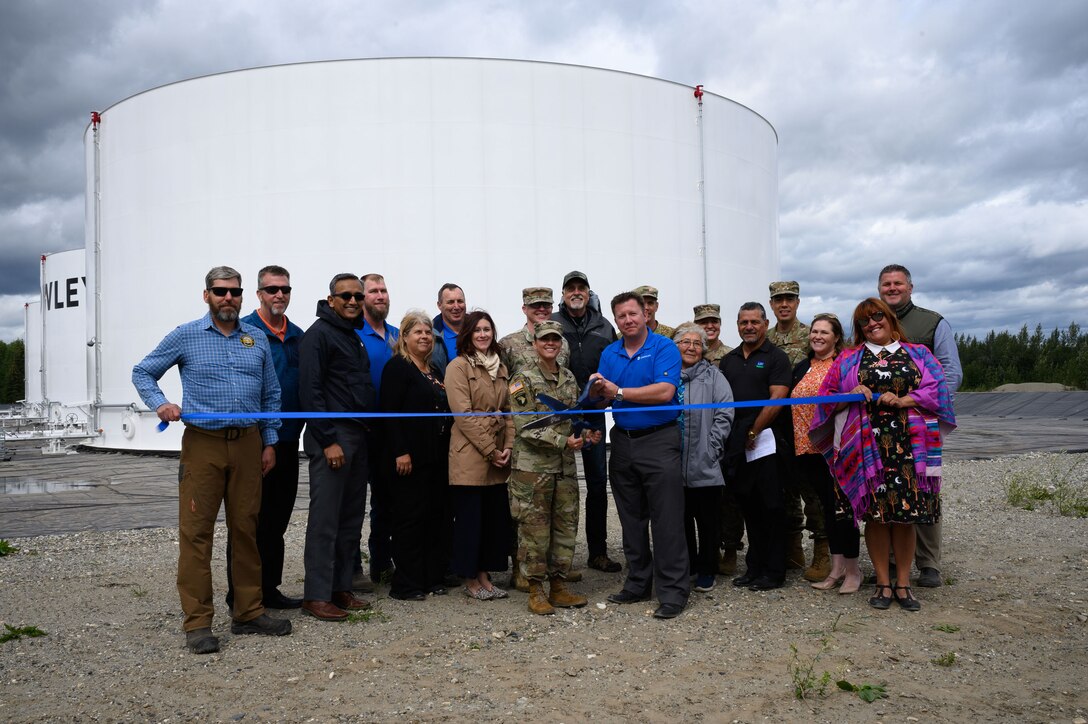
x=224, y=291
x=348, y=296
x=272, y=289
x=875, y=317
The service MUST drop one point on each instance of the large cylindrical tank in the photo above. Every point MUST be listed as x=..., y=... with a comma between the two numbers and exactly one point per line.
x=493, y=174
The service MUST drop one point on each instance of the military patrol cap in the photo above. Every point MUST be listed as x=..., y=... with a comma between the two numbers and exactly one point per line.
x=707, y=311
x=537, y=295
x=646, y=291
x=543, y=329
x=572, y=276
x=780, y=288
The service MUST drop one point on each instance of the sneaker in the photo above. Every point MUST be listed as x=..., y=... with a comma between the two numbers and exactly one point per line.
x=704, y=583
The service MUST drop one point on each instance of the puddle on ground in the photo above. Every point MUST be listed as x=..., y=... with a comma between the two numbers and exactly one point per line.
x=32, y=486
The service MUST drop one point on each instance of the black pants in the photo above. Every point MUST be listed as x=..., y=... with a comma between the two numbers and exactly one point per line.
x=337, y=497
x=419, y=507
x=595, y=466
x=842, y=534
x=278, y=492
x=649, y=495
x=481, y=529
x=702, y=524
x=759, y=490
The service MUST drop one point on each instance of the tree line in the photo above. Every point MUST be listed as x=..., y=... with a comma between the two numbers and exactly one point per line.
x=11, y=371
x=1002, y=357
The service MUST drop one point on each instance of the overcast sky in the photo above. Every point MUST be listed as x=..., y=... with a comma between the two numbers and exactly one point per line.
x=951, y=137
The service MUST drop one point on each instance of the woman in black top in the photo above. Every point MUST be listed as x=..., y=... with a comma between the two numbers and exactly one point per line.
x=418, y=452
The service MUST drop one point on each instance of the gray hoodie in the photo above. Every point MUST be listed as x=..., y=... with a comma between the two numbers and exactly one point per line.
x=706, y=430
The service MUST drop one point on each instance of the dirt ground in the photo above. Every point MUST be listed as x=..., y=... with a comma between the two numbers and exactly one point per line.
x=1005, y=639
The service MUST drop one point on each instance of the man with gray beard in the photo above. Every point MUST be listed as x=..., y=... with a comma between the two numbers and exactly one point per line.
x=226, y=365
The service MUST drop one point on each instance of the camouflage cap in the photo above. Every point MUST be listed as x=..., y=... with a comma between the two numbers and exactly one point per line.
x=707, y=311
x=575, y=275
x=537, y=295
x=543, y=329
x=646, y=291
x=780, y=288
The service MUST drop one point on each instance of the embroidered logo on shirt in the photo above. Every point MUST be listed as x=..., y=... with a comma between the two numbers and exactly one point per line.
x=759, y=365
x=516, y=386
x=247, y=341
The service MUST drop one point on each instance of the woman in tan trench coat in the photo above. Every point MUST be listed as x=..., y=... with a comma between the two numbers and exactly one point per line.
x=480, y=447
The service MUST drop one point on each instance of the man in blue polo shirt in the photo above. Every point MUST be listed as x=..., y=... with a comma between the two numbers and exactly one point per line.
x=643, y=370
x=378, y=338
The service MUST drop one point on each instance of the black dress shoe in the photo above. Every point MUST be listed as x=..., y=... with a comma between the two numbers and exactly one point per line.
x=408, y=595
x=626, y=597
x=275, y=599
x=438, y=590
x=763, y=583
x=746, y=580
x=668, y=610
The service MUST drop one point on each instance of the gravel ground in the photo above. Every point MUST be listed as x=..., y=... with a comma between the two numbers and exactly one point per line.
x=1005, y=639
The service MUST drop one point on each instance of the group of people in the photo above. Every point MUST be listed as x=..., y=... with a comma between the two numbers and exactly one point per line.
x=455, y=497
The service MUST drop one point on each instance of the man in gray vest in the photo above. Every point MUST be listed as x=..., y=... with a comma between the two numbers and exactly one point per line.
x=923, y=326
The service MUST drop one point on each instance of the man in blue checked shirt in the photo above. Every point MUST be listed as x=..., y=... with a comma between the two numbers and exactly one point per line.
x=225, y=366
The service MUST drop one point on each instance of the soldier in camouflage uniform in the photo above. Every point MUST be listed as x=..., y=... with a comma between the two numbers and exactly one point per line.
x=519, y=352
x=517, y=347
x=649, y=296
x=791, y=336
x=543, y=484
x=788, y=334
x=709, y=317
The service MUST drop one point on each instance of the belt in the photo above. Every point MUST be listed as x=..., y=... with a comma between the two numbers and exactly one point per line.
x=227, y=433
x=635, y=434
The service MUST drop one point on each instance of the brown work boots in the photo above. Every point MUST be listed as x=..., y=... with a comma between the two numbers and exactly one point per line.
x=558, y=596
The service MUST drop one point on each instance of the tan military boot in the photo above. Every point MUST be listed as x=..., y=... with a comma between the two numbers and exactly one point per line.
x=727, y=564
x=795, y=552
x=559, y=595
x=517, y=580
x=821, y=562
x=538, y=602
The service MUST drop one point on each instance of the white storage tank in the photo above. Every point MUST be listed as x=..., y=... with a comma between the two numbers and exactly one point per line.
x=56, y=382
x=493, y=174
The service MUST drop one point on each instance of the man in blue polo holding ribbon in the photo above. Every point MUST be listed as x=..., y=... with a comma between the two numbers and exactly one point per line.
x=642, y=370
x=226, y=366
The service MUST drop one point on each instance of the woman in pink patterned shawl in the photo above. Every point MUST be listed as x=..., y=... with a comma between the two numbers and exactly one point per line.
x=885, y=452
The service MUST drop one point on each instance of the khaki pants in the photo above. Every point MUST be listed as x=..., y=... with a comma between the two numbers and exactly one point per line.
x=218, y=466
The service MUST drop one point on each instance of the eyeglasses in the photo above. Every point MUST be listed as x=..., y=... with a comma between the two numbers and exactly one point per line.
x=224, y=291
x=690, y=343
x=875, y=317
x=272, y=289
x=348, y=296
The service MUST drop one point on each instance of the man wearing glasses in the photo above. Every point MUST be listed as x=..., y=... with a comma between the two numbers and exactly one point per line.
x=280, y=486
x=226, y=366
x=334, y=376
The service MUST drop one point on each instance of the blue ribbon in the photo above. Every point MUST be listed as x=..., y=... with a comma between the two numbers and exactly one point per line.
x=826, y=399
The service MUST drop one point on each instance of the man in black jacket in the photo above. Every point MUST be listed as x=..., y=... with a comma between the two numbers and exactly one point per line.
x=588, y=333
x=334, y=376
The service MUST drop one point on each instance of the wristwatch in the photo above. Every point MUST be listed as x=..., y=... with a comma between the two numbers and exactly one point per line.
x=619, y=394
